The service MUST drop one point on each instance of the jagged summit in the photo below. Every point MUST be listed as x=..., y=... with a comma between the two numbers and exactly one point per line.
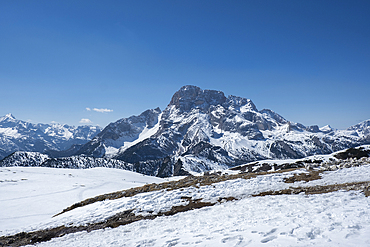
x=241, y=104
x=7, y=117
x=326, y=128
x=190, y=97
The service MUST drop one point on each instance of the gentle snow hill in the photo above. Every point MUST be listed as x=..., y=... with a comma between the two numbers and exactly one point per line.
x=18, y=135
x=324, y=220
x=34, y=194
x=339, y=218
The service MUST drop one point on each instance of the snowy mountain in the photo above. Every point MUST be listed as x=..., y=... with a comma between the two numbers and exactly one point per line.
x=18, y=135
x=362, y=130
x=205, y=130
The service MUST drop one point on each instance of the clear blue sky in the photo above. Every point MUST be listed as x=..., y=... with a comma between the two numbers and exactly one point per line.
x=306, y=60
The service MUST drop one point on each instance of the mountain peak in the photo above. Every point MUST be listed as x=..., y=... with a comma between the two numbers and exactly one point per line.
x=326, y=128
x=190, y=97
x=243, y=103
x=8, y=117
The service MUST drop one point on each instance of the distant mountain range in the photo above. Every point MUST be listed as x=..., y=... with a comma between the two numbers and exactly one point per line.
x=199, y=130
x=18, y=135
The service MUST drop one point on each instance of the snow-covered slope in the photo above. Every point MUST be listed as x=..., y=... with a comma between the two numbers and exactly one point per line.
x=330, y=220
x=34, y=194
x=18, y=135
x=331, y=209
x=153, y=203
x=122, y=134
x=21, y=158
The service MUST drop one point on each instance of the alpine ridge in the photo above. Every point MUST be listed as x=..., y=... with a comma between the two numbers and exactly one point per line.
x=202, y=130
x=18, y=135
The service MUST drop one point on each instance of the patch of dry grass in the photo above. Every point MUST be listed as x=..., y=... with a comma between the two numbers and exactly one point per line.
x=320, y=189
x=310, y=176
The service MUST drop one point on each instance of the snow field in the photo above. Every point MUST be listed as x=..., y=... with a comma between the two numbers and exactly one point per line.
x=333, y=219
x=30, y=195
x=339, y=218
x=161, y=201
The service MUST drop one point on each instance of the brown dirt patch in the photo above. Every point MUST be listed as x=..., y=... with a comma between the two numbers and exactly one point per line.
x=310, y=176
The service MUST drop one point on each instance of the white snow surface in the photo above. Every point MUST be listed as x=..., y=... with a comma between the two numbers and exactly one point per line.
x=29, y=195
x=162, y=201
x=333, y=219
x=10, y=132
x=146, y=133
x=125, y=143
x=197, y=165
